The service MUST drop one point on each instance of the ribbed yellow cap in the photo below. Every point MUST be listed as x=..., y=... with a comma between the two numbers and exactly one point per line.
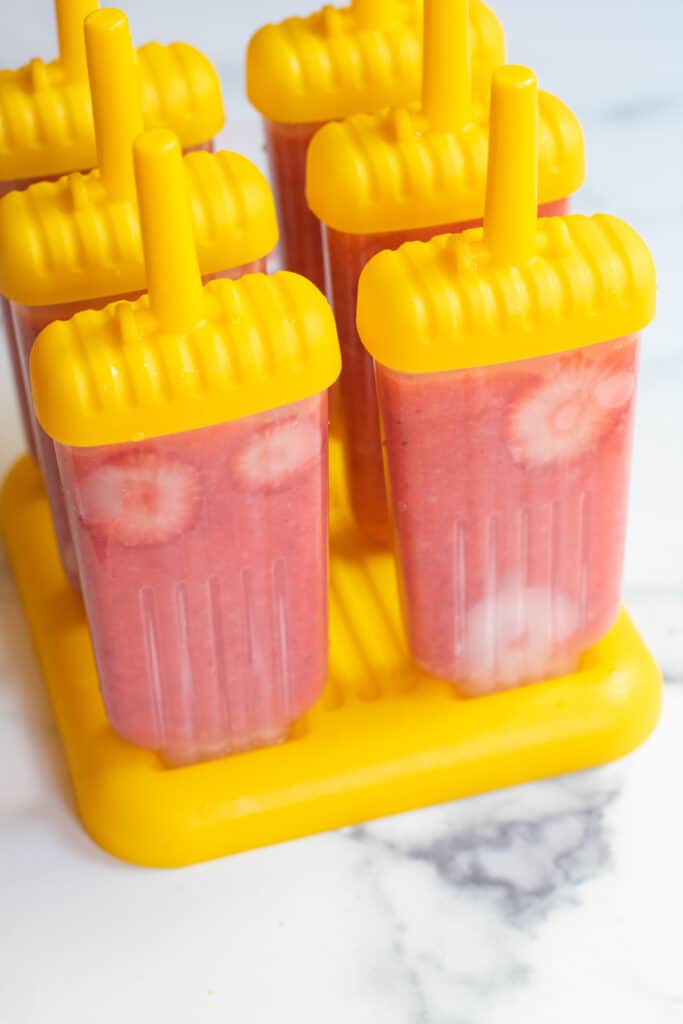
x=46, y=122
x=518, y=288
x=184, y=356
x=349, y=60
x=79, y=238
x=418, y=166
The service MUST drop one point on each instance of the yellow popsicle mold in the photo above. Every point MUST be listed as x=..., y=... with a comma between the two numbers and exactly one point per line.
x=425, y=165
x=343, y=61
x=79, y=238
x=518, y=288
x=46, y=121
x=184, y=356
x=382, y=739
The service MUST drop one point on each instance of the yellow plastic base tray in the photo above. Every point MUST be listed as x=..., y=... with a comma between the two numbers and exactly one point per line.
x=383, y=738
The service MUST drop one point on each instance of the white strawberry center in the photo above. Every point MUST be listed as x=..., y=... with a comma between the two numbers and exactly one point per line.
x=566, y=417
x=616, y=390
x=276, y=454
x=141, y=496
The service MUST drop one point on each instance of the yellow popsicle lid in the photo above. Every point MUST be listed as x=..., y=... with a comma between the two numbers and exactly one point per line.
x=424, y=165
x=343, y=61
x=184, y=356
x=46, y=123
x=517, y=288
x=79, y=238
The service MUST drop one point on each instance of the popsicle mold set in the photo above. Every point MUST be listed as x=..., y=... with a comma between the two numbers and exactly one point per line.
x=250, y=630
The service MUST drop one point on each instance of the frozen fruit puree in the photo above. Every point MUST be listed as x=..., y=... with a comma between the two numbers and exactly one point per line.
x=204, y=562
x=410, y=173
x=506, y=362
x=301, y=247
x=75, y=244
x=511, y=548
x=304, y=72
x=191, y=436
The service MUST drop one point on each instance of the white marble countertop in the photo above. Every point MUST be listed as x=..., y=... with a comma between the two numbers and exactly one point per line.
x=554, y=902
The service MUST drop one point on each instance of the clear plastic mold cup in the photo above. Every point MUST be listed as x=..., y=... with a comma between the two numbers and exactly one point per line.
x=506, y=376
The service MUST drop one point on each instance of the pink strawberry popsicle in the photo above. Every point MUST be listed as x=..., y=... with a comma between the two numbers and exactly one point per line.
x=204, y=562
x=191, y=436
x=506, y=363
x=511, y=549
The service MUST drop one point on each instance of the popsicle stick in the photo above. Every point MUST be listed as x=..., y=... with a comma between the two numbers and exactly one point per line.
x=374, y=13
x=115, y=92
x=70, y=16
x=446, y=67
x=512, y=182
x=173, y=278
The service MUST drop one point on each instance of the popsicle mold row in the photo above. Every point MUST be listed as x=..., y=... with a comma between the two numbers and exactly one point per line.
x=70, y=241
x=592, y=278
x=119, y=375
x=338, y=61
x=46, y=121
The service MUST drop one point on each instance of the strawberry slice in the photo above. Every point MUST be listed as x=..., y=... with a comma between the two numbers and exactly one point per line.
x=273, y=456
x=566, y=412
x=517, y=635
x=139, y=498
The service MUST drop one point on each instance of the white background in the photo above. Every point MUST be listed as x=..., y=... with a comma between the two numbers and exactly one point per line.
x=552, y=903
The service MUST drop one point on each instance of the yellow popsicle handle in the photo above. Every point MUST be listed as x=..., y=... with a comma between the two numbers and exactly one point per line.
x=115, y=92
x=512, y=183
x=70, y=16
x=446, y=69
x=173, y=278
x=374, y=13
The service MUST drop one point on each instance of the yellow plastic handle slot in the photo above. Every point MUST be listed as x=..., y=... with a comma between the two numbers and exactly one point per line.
x=173, y=276
x=70, y=16
x=447, y=65
x=512, y=183
x=116, y=99
x=374, y=13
